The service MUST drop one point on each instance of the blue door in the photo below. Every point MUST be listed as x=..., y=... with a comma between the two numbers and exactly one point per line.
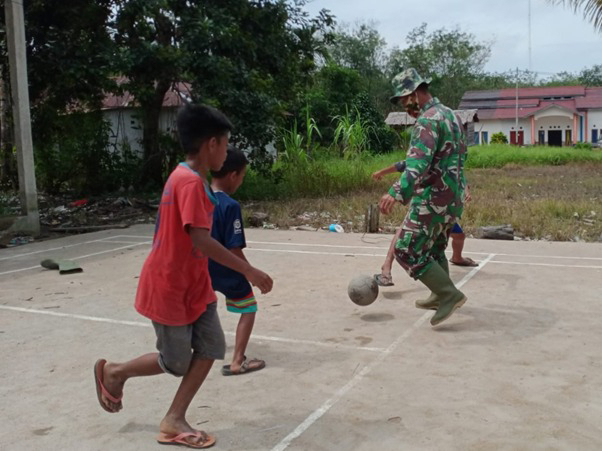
x=594, y=136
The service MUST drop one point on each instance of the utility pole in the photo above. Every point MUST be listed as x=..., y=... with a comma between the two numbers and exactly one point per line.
x=530, y=60
x=516, y=112
x=15, y=37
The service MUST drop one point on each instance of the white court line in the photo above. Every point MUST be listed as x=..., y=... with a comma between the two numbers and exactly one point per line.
x=325, y=407
x=546, y=264
x=99, y=319
x=349, y=254
x=76, y=258
x=102, y=240
x=386, y=248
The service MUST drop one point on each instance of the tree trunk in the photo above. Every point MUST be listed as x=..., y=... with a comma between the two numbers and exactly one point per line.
x=8, y=164
x=152, y=172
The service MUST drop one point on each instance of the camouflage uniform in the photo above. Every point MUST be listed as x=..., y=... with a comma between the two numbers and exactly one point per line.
x=433, y=182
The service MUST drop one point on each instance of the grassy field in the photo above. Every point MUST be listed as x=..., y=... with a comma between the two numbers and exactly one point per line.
x=540, y=202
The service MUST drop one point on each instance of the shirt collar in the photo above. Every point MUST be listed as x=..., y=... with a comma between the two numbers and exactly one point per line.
x=431, y=103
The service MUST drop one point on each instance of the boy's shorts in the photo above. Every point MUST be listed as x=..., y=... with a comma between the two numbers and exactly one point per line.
x=457, y=229
x=244, y=304
x=178, y=345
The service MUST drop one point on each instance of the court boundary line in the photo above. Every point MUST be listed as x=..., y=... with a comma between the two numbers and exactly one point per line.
x=498, y=254
x=13, y=271
x=357, y=378
x=100, y=319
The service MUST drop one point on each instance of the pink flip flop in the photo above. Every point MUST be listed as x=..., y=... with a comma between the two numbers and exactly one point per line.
x=100, y=389
x=180, y=440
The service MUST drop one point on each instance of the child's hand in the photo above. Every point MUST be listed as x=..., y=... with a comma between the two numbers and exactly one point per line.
x=260, y=280
x=467, y=196
x=377, y=175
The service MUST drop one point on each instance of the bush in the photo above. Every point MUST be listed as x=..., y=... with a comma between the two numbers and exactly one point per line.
x=499, y=138
x=584, y=146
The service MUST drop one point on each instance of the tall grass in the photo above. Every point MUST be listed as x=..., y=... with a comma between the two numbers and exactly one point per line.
x=297, y=176
x=500, y=155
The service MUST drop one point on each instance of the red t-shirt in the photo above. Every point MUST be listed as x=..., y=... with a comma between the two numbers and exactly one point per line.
x=174, y=287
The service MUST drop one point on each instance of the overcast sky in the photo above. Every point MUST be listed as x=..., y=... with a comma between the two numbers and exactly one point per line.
x=561, y=39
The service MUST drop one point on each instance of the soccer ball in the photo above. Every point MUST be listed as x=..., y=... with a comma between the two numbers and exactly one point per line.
x=362, y=290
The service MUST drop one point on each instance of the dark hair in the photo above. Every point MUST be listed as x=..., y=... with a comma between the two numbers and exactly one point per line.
x=236, y=161
x=200, y=123
x=423, y=87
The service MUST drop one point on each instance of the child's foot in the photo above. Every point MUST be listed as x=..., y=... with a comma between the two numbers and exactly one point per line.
x=109, y=388
x=179, y=432
x=464, y=261
x=246, y=366
x=384, y=280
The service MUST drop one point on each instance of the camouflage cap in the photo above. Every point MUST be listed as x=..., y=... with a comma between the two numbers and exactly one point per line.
x=406, y=82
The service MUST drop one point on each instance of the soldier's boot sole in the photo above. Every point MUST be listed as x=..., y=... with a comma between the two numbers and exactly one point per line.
x=446, y=309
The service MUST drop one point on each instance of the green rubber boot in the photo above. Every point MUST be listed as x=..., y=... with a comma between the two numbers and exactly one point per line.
x=432, y=302
x=450, y=298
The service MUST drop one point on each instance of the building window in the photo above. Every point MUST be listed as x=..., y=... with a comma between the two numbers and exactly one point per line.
x=485, y=137
x=476, y=138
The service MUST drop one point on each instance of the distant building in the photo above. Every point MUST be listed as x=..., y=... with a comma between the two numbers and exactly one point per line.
x=402, y=120
x=122, y=112
x=555, y=116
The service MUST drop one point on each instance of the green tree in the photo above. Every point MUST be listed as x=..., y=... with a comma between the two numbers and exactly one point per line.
x=452, y=58
x=592, y=9
x=70, y=58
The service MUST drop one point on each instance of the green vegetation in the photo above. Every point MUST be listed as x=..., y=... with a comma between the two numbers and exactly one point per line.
x=500, y=155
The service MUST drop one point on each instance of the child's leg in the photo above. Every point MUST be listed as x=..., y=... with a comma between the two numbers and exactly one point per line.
x=174, y=422
x=458, y=237
x=385, y=273
x=115, y=375
x=208, y=344
x=247, y=307
x=243, y=334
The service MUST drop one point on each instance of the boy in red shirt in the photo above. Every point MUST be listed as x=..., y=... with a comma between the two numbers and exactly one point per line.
x=175, y=290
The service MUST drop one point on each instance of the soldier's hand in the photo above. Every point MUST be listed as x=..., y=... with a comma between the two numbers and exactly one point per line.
x=377, y=175
x=467, y=196
x=386, y=204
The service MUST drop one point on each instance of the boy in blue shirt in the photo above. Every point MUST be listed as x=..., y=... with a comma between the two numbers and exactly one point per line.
x=228, y=230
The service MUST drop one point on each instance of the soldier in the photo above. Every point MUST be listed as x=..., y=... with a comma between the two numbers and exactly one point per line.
x=433, y=185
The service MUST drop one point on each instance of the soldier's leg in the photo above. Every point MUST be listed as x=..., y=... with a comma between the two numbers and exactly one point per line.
x=412, y=250
x=439, y=282
x=442, y=233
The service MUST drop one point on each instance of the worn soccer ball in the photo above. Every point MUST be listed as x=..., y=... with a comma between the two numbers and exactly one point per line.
x=362, y=290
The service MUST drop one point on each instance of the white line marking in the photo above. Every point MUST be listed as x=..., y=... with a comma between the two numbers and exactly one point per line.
x=76, y=258
x=145, y=324
x=350, y=254
x=386, y=248
x=103, y=240
x=325, y=407
x=547, y=264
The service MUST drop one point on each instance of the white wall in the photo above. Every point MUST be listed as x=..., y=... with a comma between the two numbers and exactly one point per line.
x=505, y=126
x=126, y=127
x=594, y=121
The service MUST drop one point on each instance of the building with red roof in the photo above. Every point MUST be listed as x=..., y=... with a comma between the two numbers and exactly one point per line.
x=556, y=116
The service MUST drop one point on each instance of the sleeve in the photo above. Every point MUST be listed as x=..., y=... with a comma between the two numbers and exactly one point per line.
x=192, y=202
x=234, y=234
x=418, y=161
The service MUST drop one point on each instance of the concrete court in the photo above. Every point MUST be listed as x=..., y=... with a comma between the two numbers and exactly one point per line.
x=517, y=368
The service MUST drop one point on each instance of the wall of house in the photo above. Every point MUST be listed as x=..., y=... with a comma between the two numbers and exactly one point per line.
x=547, y=123
x=126, y=128
x=505, y=126
x=594, y=121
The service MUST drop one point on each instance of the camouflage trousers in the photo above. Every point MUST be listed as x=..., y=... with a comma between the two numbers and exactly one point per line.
x=423, y=240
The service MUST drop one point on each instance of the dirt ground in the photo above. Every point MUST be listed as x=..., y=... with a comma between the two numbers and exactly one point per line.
x=517, y=368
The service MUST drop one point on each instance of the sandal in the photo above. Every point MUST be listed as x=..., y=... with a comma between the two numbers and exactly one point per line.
x=383, y=280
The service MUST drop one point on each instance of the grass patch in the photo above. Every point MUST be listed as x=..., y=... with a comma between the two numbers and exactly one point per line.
x=501, y=155
x=541, y=202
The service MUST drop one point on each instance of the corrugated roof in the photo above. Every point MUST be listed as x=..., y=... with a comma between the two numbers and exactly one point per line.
x=126, y=100
x=501, y=104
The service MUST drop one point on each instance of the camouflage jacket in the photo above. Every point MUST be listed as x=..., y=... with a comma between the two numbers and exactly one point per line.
x=434, y=173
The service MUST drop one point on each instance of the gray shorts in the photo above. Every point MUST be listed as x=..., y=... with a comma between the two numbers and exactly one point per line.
x=178, y=345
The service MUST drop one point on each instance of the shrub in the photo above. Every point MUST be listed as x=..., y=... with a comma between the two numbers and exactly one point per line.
x=499, y=138
x=584, y=146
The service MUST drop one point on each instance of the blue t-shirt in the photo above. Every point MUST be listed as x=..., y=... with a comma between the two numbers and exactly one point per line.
x=228, y=230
